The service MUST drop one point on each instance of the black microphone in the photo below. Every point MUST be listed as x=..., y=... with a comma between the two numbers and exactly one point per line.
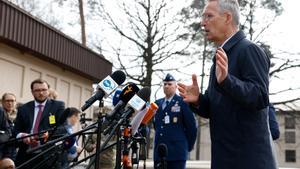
x=106, y=87
x=137, y=102
x=162, y=150
x=110, y=119
x=127, y=93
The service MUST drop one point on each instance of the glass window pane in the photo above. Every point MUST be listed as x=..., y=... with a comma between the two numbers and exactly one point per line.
x=289, y=123
x=290, y=137
x=290, y=155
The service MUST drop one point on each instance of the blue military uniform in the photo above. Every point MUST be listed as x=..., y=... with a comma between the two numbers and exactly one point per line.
x=175, y=126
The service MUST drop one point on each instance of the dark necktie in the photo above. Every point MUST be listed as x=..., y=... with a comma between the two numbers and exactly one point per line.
x=166, y=104
x=38, y=119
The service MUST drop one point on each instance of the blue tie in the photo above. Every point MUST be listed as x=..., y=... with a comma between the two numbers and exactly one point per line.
x=167, y=103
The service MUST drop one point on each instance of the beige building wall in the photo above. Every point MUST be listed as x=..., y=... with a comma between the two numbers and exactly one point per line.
x=288, y=142
x=19, y=69
x=205, y=143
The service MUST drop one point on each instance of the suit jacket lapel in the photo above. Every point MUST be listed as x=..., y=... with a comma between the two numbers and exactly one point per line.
x=31, y=108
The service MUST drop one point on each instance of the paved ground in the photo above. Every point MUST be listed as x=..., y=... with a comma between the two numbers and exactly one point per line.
x=189, y=165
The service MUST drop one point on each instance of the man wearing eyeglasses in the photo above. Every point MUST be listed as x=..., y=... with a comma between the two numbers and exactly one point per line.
x=35, y=116
x=237, y=98
x=175, y=126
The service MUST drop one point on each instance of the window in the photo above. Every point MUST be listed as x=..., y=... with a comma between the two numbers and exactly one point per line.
x=290, y=156
x=289, y=123
x=290, y=137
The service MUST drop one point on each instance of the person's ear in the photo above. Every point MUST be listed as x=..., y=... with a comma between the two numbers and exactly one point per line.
x=228, y=17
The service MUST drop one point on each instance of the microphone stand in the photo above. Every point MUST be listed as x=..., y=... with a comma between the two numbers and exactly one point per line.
x=98, y=144
x=62, y=138
x=39, y=134
x=37, y=156
x=118, y=148
x=55, y=142
x=126, y=140
x=135, y=146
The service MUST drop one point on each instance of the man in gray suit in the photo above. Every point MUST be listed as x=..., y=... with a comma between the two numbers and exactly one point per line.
x=236, y=100
x=35, y=116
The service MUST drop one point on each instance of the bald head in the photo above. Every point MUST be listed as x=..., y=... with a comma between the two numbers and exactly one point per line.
x=7, y=163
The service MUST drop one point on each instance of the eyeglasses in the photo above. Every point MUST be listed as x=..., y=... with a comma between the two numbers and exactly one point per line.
x=40, y=90
x=9, y=100
x=206, y=17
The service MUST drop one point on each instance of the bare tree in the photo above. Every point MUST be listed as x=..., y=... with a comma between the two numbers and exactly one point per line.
x=82, y=23
x=148, y=36
x=77, y=7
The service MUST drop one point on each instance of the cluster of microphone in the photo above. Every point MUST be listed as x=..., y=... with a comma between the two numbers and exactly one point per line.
x=130, y=101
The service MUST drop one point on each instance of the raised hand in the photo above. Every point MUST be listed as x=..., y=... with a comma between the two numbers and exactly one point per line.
x=190, y=93
x=221, y=65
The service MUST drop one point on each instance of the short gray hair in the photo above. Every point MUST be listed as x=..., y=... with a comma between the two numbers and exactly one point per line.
x=232, y=6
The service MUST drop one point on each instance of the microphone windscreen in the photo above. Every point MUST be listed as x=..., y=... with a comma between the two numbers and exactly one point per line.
x=119, y=77
x=162, y=150
x=128, y=92
x=150, y=113
x=144, y=93
x=116, y=97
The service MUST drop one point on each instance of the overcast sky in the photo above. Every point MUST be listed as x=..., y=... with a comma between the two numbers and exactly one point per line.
x=283, y=36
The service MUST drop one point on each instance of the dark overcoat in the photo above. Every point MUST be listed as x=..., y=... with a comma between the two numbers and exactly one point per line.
x=238, y=109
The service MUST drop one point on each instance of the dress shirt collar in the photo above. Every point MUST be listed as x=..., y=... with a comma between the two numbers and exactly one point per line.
x=169, y=99
x=227, y=40
x=37, y=103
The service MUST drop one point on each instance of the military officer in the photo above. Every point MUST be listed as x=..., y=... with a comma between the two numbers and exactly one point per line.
x=175, y=126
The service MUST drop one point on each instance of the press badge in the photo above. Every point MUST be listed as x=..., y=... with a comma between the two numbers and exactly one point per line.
x=167, y=119
x=51, y=119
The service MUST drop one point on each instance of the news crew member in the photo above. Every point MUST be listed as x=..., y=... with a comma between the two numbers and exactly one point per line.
x=175, y=126
x=35, y=116
x=7, y=119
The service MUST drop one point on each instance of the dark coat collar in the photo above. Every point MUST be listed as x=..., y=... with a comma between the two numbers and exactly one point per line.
x=234, y=40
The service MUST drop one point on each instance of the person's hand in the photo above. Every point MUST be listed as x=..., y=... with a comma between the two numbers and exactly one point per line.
x=190, y=93
x=26, y=140
x=33, y=141
x=221, y=65
x=78, y=149
x=94, y=148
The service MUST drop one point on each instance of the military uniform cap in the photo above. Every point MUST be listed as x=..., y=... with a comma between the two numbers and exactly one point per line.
x=169, y=77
